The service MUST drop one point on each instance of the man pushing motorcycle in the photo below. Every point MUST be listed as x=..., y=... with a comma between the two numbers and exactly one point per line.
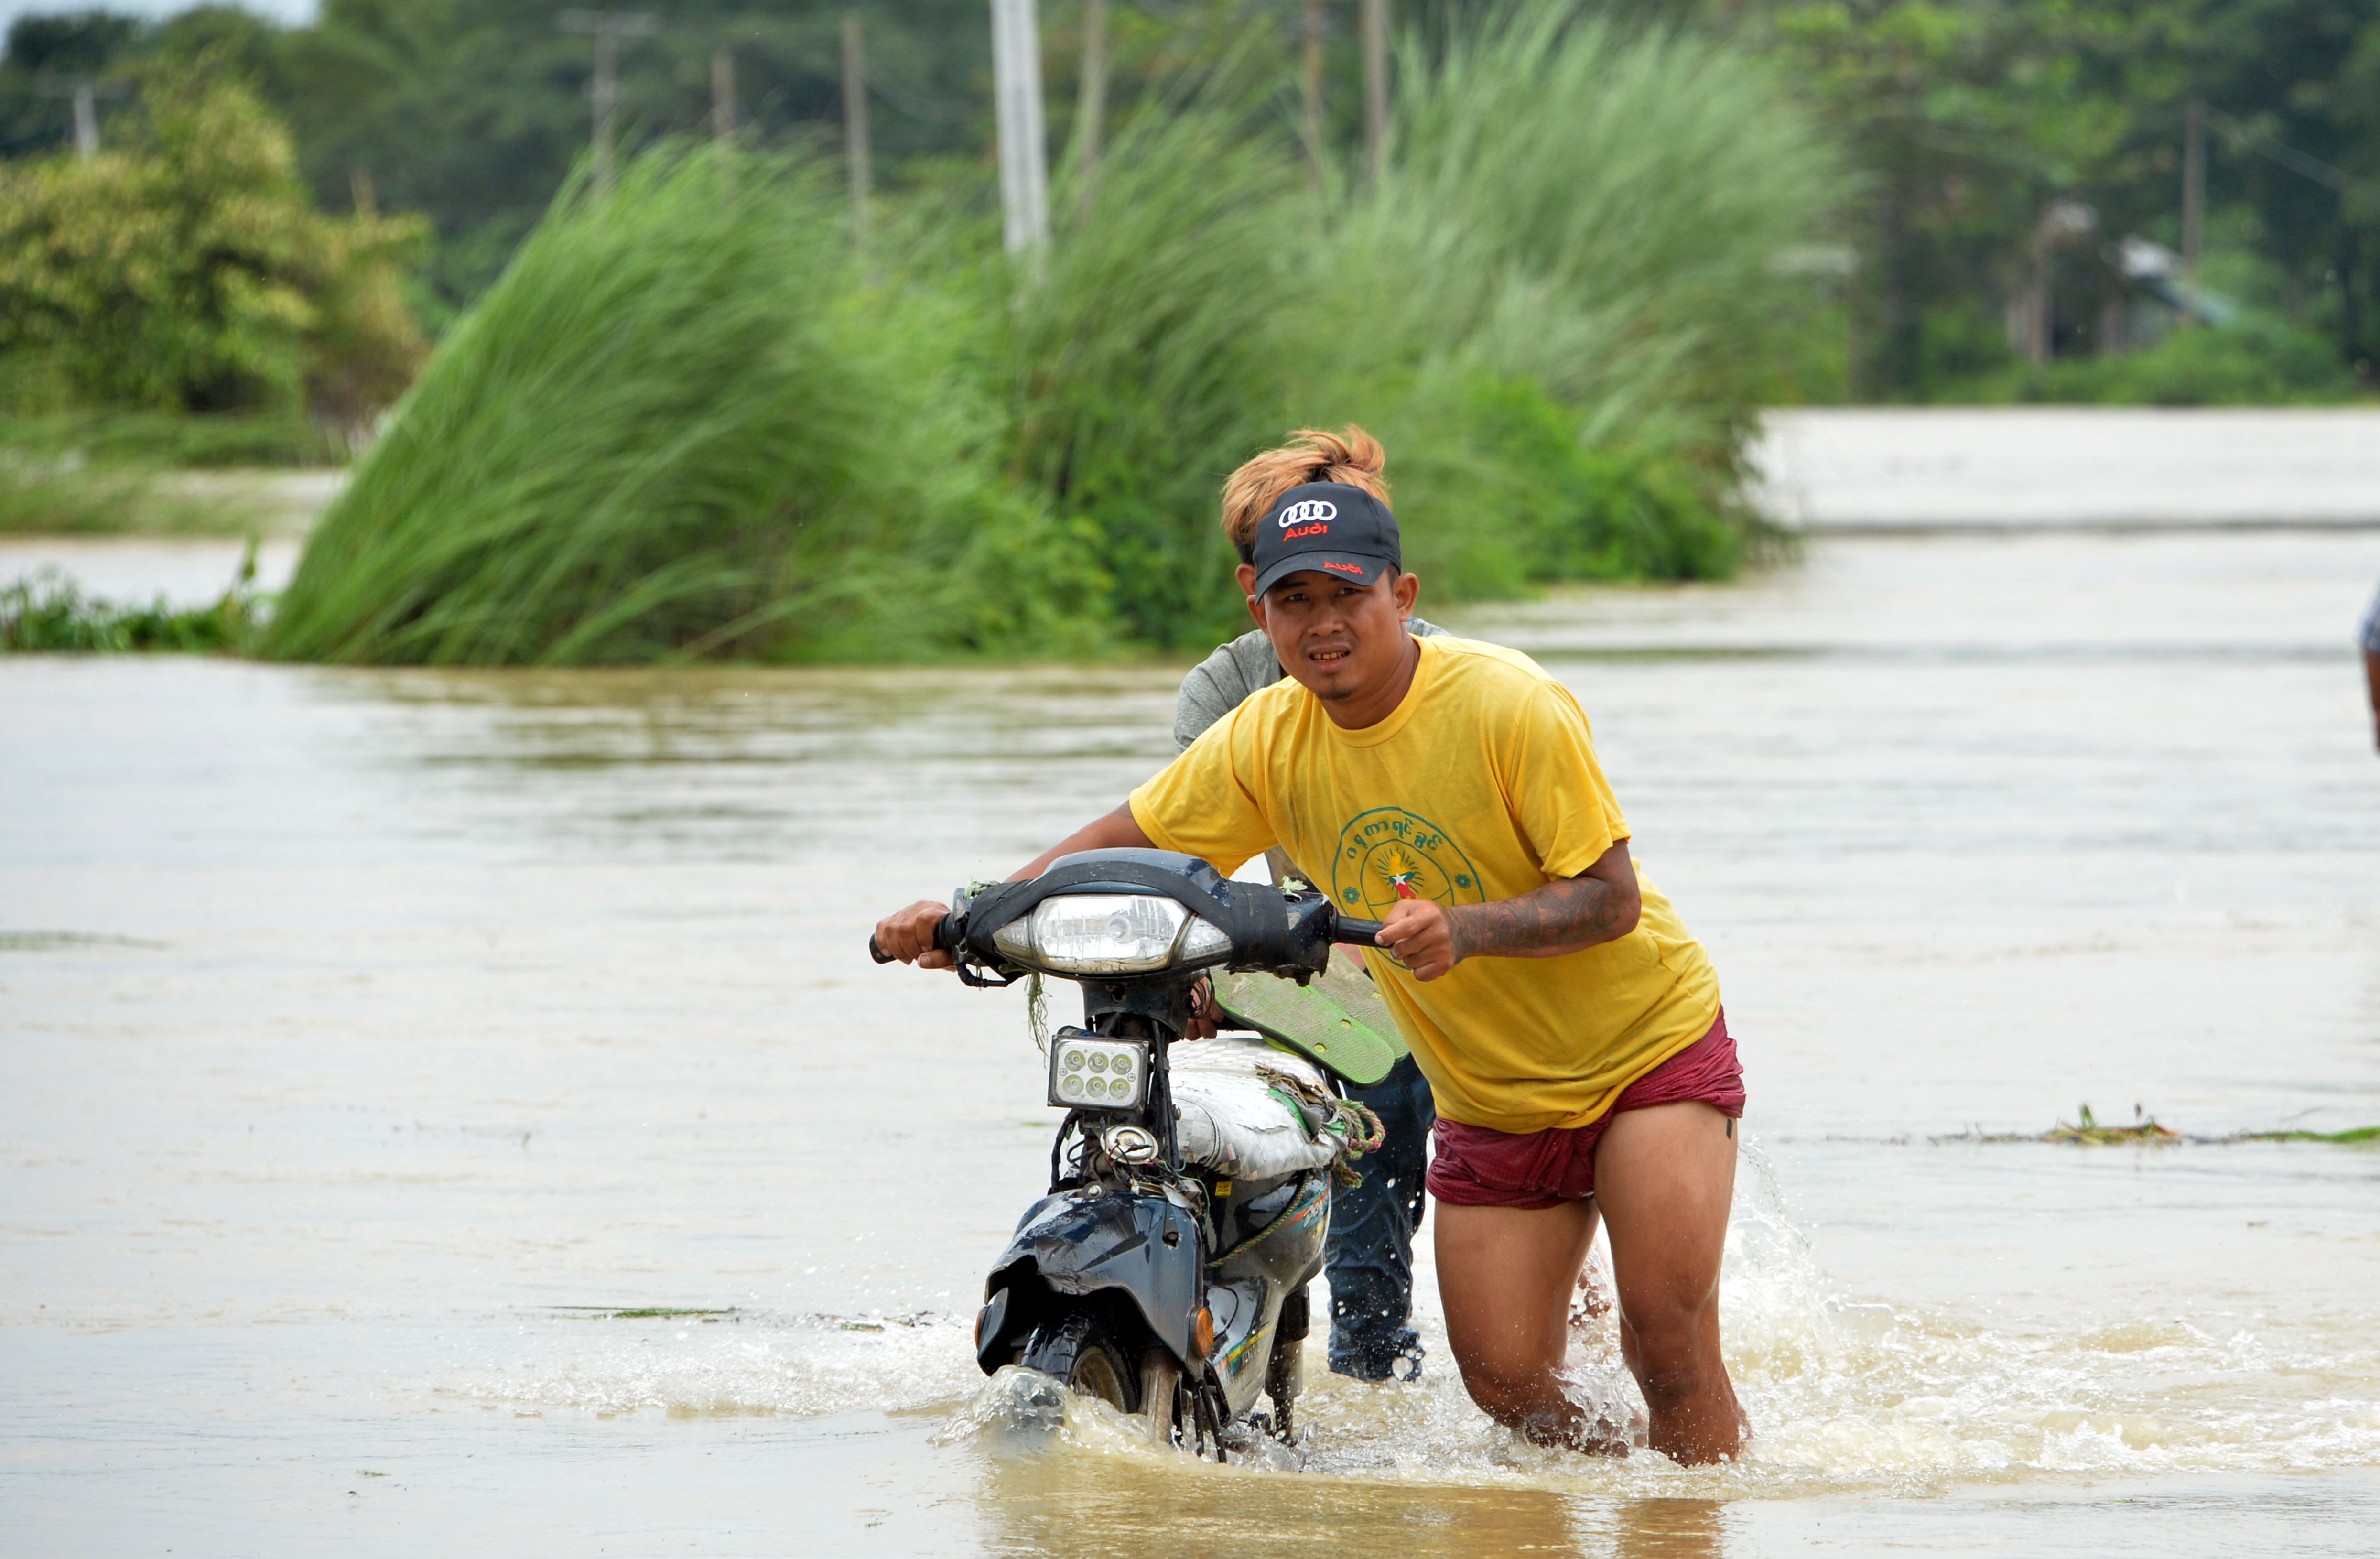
x=1569, y=1026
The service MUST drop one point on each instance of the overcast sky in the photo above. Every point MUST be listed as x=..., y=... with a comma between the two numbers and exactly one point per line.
x=286, y=10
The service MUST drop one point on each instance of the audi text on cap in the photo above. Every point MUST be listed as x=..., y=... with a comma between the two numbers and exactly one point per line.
x=1329, y=527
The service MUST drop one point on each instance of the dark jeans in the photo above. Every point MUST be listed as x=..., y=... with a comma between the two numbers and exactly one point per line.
x=1372, y=1226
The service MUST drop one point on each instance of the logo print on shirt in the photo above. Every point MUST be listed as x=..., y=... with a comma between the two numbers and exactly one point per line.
x=1389, y=854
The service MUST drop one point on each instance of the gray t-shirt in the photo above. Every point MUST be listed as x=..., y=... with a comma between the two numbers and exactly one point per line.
x=2370, y=640
x=1217, y=684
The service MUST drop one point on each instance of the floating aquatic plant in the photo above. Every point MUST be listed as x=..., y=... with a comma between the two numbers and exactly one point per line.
x=47, y=613
x=2146, y=1130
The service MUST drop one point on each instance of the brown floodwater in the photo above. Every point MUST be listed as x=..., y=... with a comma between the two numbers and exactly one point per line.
x=373, y=1039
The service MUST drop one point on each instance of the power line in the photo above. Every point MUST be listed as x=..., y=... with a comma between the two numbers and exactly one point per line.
x=2273, y=149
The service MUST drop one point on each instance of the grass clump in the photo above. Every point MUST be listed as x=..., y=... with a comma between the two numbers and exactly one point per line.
x=108, y=473
x=277, y=439
x=1160, y=349
x=678, y=425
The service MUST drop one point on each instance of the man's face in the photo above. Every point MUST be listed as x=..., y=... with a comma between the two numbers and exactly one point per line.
x=1339, y=638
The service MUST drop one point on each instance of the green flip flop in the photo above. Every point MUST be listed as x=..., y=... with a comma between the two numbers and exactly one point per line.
x=1336, y=1020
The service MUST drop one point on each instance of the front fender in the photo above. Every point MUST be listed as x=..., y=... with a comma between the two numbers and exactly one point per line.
x=1091, y=1240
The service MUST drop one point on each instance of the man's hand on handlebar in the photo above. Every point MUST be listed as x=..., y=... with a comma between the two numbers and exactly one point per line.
x=909, y=935
x=1418, y=931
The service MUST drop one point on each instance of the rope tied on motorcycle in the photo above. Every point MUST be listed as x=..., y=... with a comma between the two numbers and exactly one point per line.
x=1323, y=1112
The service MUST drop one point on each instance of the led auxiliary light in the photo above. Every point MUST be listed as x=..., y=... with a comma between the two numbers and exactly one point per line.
x=1090, y=1072
x=1109, y=933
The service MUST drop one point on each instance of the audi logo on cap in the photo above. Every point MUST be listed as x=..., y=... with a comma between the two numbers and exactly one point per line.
x=1317, y=511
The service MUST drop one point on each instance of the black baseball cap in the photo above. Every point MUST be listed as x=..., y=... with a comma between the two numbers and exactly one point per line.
x=1326, y=526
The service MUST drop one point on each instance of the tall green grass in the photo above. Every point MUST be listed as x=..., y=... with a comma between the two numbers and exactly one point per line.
x=1573, y=265
x=686, y=422
x=678, y=425
x=1160, y=348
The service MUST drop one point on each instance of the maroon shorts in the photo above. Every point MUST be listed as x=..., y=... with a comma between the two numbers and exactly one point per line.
x=1479, y=1166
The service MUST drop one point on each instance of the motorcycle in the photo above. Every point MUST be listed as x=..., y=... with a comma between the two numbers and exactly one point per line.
x=1166, y=1270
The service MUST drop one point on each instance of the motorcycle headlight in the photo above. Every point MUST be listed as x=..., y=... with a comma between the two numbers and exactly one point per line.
x=1090, y=1072
x=1109, y=933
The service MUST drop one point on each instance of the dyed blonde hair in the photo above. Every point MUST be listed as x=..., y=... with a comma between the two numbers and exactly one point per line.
x=1351, y=455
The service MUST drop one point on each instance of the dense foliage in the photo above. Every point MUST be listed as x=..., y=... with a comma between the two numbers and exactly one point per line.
x=690, y=419
x=1974, y=118
x=1969, y=120
x=190, y=272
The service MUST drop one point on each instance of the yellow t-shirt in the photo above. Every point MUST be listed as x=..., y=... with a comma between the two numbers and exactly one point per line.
x=1483, y=785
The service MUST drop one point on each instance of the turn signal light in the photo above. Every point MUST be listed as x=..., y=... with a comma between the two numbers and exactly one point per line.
x=1202, y=1335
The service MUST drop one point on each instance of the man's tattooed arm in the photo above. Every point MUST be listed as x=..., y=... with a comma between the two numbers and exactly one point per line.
x=1565, y=916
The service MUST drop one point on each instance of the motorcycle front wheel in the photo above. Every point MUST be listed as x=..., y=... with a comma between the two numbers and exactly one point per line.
x=1081, y=1350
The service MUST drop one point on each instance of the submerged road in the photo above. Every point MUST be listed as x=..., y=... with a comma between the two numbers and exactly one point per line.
x=1838, y=469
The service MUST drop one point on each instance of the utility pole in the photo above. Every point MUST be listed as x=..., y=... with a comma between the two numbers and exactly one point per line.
x=1091, y=108
x=2194, y=204
x=854, y=125
x=1314, y=63
x=608, y=28
x=85, y=92
x=1376, y=88
x=722, y=92
x=1024, y=153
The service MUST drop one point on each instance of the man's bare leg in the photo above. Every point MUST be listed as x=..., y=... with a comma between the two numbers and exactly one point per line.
x=1506, y=1276
x=1663, y=1178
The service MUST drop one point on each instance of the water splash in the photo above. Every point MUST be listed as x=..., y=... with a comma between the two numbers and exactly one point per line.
x=802, y=1366
x=1847, y=1394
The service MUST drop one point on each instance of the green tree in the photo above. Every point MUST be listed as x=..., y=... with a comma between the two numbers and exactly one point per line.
x=1972, y=117
x=190, y=271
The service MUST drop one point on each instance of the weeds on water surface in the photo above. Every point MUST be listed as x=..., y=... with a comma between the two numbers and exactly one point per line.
x=686, y=422
x=2147, y=1131
x=47, y=613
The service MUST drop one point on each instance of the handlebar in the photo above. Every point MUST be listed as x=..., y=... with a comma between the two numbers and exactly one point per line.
x=1344, y=928
x=1362, y=933
x=942, y=941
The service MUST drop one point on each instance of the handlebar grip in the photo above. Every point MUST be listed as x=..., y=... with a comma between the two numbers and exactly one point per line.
x=943, y=939
x=1362, y=933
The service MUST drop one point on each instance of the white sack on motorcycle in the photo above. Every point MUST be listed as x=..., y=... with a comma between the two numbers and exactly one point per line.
x=1239, y=1121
